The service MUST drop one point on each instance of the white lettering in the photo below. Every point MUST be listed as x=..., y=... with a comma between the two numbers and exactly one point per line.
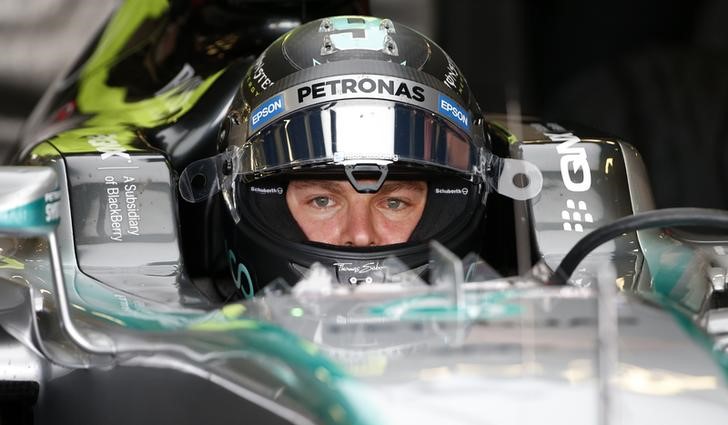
x=53, y=196
x=259, y=75
x=132, y=210
x=267, y=191
x=573, y=160
x=268, y=110
x=108, y=146
x=364, y=268
x=454, y=111
x=463, y=191
x=52, y=211
x=451, y=75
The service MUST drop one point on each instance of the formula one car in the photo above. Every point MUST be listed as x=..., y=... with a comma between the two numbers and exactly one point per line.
x=587, y=304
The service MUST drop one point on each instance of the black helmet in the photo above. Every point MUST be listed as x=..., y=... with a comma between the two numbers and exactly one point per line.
x=352, y=98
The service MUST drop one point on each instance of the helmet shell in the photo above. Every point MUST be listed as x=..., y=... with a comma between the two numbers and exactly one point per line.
x=330, y=47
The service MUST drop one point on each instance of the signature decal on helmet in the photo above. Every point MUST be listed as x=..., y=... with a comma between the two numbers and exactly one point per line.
x=361, y=272
x=361, y=268
x=454, y=112
x=266, y=111
x=452, y=77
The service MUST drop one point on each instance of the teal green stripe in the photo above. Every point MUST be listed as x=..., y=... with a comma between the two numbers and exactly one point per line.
x=36, y=215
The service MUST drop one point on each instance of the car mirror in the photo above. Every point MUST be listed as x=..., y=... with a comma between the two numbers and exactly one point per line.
x=29, y=200
x=30, y=207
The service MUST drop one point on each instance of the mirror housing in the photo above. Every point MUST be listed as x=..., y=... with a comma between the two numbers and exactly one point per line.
x=29, y=200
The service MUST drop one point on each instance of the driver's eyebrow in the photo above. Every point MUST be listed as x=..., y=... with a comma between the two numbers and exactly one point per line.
x=387, y=187
x=394, y=186
x=327, y=185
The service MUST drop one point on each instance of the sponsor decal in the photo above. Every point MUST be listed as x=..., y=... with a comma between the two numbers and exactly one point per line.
x=52, y=206
x=356, y=270
x=573, y=160
x=239, y=271
x=440, y=191
x=574, y=215
x=343, y=156
x=267, y=110
x=357, y=86
x=122, y=199
x=452, y=76
x=575, y=173
x=259, y=75
x=109, y=146
x=267, y=190
x=361, y=268
x=454, y=112
x=366, y=85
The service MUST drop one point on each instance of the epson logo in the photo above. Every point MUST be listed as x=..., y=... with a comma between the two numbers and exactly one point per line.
x=365, y=85
x=452, y=110
x=266, y=111
x=464, y=191
x=267, y=190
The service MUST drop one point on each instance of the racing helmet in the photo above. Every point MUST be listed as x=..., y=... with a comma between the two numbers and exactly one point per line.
x=354, y=98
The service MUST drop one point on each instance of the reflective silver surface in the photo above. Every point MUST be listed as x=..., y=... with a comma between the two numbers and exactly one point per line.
x=22, y=185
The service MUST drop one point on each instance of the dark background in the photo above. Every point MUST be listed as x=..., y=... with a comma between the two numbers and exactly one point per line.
x=654, y=73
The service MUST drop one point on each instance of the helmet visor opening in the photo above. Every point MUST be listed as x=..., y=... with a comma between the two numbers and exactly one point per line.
x=448, y=204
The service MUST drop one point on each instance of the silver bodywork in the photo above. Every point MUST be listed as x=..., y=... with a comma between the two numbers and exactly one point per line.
x=505, y=351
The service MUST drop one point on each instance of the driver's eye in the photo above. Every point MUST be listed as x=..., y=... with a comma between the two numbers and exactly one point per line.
x=322, y=201
x=394, y=204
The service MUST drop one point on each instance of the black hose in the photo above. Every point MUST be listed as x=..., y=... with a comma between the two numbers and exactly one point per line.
x=668, y=217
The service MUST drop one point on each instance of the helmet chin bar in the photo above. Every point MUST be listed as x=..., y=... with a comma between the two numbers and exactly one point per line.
x=515, y=178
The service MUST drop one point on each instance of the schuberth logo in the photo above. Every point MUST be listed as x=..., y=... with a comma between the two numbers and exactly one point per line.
x=463, y=191
x=267, y=190
x=365, y=85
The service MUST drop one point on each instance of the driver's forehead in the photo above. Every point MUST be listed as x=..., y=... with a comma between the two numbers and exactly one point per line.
x=341, y=186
